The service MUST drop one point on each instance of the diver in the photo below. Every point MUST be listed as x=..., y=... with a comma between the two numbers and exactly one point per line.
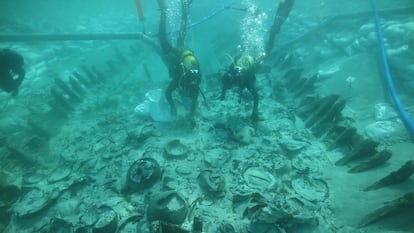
x=241, y=73
x=282, y=13
x=183, y=66
x=11, y=71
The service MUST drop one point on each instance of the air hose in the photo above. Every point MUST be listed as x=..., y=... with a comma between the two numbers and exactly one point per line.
x=389, y=80
x=211, y=15
x=206, y=18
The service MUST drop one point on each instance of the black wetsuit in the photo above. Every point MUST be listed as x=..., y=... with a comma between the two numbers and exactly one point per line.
x=185, y=81
x=243, y=80
x=282, y=13
x=11, y=65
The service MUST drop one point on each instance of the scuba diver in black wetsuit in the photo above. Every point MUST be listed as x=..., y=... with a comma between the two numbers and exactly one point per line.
x=282, y=13
x=11, y=65
x=241, y=73
x=182, y=65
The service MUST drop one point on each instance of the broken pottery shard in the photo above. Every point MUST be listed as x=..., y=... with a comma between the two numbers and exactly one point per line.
x=312, y=189
x=395, y=177
x=129, y=224
x=142, y=174
x=292, y=146
x=165, y=227
x=168, y=206
x=211, y=183
x=175, y=150
x=32, y=202
x=389, y=209
x=377, y=160
x=258, y=178
x=60, y=173
x=107, y=220
x=365, y=149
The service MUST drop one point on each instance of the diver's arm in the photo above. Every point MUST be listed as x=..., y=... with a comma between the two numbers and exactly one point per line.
x=282, y=13
x=194, y=104
x=185, y=6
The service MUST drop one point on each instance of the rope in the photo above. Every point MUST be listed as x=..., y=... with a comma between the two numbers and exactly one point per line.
x=400, y=108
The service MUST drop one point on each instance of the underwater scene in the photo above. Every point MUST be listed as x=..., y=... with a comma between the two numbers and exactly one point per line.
x=190, y=116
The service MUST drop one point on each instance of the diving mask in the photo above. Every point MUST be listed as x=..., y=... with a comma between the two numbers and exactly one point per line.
x=238, y=69
x=194, y=71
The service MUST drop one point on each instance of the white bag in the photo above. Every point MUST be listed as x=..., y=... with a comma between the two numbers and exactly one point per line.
x=155, y=106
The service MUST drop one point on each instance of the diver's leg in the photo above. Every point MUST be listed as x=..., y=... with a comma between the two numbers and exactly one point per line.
x=253, y=90
x=255, y=111
x=168, y=93
x=194, y=105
